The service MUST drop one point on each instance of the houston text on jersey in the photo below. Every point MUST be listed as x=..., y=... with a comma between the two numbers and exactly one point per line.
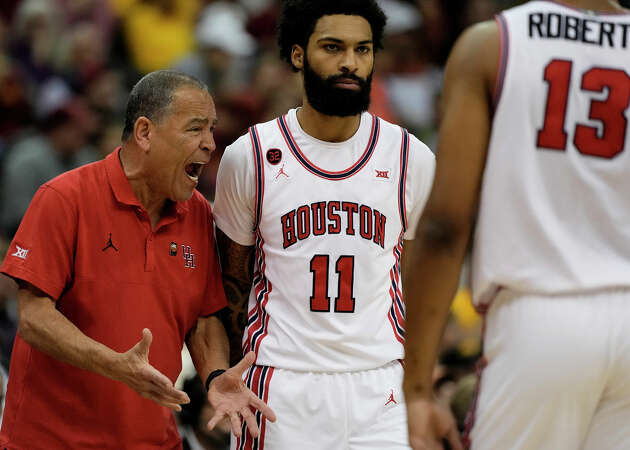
x=326, y=218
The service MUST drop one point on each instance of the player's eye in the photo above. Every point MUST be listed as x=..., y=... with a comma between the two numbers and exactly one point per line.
x=331, y=47
x=363, y=49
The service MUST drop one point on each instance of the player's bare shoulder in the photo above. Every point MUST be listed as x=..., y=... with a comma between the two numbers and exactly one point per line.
x=477, y=53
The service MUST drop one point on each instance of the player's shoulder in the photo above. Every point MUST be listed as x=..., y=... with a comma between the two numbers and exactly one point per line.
x=421, y=158
x=241, y=149
x=416, y=146
x=238, y=155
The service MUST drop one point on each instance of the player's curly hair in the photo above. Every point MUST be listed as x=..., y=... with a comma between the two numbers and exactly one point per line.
x=298, y=18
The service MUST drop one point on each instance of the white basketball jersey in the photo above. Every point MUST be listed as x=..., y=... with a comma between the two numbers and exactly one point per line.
x=555, y=205
x=328, y=223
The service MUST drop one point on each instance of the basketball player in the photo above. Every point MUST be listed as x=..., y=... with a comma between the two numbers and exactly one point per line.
x=321, y=200
x=534, y=148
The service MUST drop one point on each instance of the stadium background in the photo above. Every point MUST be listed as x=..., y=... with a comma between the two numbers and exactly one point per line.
x=66, y=67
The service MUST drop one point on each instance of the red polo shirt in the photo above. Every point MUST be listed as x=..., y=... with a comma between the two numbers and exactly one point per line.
x=87, y=242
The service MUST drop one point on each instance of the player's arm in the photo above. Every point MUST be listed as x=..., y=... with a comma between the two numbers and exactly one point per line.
x=45, y=328
x=237, y=272
x=445, y=226
x=234, y=211
x=227, y=393
x=208, y=346
x=208, y=342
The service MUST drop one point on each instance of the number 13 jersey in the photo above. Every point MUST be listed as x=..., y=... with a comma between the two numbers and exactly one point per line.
x=328, y=222
x=555, y=207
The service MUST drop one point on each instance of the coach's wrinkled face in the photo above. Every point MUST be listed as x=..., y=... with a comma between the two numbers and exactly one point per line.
x=181, y=144
x=337, y=65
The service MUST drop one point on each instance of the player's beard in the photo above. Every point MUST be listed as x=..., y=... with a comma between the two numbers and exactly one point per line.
x=325, y=97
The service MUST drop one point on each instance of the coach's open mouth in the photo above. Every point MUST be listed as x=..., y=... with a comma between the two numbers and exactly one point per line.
x=193, y=170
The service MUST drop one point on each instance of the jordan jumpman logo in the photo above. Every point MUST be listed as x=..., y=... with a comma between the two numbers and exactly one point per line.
x=282, y=172
x=110, y=244
x=391, y=399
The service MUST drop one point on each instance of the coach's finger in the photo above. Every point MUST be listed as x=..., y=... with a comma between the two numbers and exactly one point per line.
x=236, y=424
x=262, y=407
x=218, y=417
x=250, y=420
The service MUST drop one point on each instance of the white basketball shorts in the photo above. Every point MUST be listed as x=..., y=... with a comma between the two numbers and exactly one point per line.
x=361, y=410
x=556, y=373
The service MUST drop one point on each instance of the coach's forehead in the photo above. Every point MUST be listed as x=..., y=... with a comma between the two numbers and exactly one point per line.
x=342, y=27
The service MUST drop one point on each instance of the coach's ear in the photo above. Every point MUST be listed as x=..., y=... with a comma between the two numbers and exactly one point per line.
x=297, y=57
x=142, y=133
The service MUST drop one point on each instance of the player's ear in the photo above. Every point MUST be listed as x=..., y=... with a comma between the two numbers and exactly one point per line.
x=297, y=57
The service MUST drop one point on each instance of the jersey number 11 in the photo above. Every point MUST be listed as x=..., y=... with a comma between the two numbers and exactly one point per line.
x=320, y=300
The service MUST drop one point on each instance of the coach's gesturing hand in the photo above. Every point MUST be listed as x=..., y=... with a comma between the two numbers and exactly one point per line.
x=136, y=372
x=229, y=396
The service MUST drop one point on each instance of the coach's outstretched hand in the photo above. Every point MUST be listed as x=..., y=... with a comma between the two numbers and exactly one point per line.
x=229, y=397
x=136, y=372
x=429, y=425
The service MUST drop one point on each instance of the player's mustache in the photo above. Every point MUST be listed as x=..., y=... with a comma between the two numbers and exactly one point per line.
x=334, y=78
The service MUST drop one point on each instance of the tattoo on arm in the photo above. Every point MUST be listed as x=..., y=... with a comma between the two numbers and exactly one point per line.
x=237, y=271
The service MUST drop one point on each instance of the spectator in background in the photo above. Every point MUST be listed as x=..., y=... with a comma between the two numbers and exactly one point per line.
x=33, y=42
x=159, y=32
x=15, y=109
x=58, y=145
x=412, y=81
x=222, y=58
x=8, y=313
x=83, y=54
x=96, y=12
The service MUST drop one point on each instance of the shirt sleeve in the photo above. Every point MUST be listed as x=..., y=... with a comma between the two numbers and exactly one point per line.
x=215, y=295
x=42, y=250
x=420, y=172
x=234, y=201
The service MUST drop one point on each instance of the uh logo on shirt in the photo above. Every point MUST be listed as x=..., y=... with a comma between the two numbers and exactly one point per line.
x=187, y=254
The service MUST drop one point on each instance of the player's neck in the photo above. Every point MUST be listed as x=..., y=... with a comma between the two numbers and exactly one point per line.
x=594, y=5
x=327, y=128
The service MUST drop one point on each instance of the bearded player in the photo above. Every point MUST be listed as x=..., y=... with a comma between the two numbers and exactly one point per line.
x=320, y=202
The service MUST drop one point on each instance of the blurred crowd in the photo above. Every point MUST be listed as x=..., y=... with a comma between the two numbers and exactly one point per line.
x=66, y=67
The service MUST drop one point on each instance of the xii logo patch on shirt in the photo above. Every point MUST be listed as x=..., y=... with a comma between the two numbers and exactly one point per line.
x=382, y=174
x=20, y=252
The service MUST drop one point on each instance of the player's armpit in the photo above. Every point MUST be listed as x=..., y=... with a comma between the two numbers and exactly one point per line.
x=237, y=272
